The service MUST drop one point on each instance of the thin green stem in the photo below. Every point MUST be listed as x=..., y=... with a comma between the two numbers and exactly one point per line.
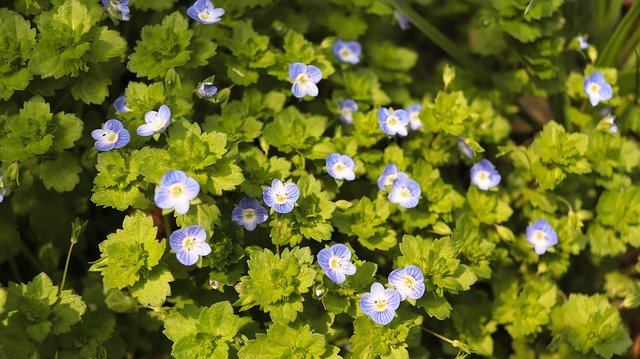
x=609, y=57
x=455, y=343
x=563, y=200
x=448, y=46
x=66, y=268
x=167, y=225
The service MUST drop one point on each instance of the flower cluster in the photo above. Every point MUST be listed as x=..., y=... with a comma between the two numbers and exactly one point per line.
x=380, y=303
x=113, y=135
x=404, y=191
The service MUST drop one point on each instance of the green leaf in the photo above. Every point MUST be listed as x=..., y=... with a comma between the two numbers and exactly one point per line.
x=276, y=283
x=154, y=289
x=131, y=253
x=439, y=263
x=202, y=332
x=162, y=47
x=448, y=113
x=61, y=173
x=620, y=286
x=116, y=184
x=372, y=340
x=37, y=308
x=292, y=130
x=525, y=308
x=555, y=153
x=590, y=324
x=283, y=341
x=16, y=39
x=35, y=131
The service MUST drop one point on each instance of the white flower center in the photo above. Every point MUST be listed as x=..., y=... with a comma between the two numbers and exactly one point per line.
x=339, y=167
x=346, y=113
x=281, y=197
x=334, y=263
x=390, y=179
x=204, y=15
x=189, y=244
x=404, y=192
x=392, y=120
x=345, y=52
x=176, y=190
x=249, y=214
x=110, y=137
x=380, y=304
x=539, y=236
x=483, y=176
x=303, y=78
x=409, y=281
x=594, y=88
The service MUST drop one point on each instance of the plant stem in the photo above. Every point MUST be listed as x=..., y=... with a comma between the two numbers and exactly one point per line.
x=66, y=268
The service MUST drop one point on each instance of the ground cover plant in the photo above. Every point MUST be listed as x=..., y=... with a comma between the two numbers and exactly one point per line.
x=319, y=179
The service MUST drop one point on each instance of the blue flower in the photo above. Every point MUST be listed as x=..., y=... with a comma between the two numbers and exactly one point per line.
x=484, y=175
x=156, y=121
x=465, y=149
x=120, y=104
x=346, y=109
x=389, y=174
x=582, y=42
x=206, y=90
x=541, y=235
x=176, y=190
x=393, y=122
x=414, y=116
x=249, y=213
x=3, y=192
x=189, y=244
x=305, y=78
x=341, y=167
x=408, y=281
x=118, y=9
x=348, y=52
x=111, y=135
x=281, y=197
x=597, y=88
x=402, y=19
x=405, y=191
x=203, y=12
x=613, y=128
x=380, y=304
x=336, y=262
